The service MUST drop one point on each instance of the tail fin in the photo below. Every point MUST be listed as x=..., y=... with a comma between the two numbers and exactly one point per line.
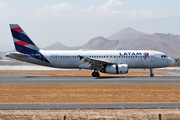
x=22, y=42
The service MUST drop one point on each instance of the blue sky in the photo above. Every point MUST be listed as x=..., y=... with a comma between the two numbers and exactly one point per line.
x=75, y=22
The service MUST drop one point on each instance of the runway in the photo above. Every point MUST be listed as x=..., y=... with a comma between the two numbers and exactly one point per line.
x=38, y=79
x=173, y=78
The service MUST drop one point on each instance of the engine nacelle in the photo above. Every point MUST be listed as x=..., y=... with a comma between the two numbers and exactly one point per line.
x=115, y=69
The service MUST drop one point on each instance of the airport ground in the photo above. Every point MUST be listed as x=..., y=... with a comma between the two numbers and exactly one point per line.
x=24, y=86
x=51, y=85
x=100, y=114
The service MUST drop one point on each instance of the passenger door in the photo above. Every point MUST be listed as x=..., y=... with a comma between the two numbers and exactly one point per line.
x=153, y=59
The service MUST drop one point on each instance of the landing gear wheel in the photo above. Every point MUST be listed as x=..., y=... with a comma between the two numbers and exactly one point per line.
x=95, y=74
x=151, y=75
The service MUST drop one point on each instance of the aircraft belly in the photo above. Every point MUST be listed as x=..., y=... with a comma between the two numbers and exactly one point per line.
x=68, y=64
x=73, y=64
x=62, y=64
x=131, y=64
x=136, y=64
x=139, y=64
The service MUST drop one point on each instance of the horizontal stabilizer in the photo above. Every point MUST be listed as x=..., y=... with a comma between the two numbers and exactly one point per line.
x=16, y=54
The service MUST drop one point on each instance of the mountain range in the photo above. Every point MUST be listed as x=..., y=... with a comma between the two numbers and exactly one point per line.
x=128, y=39
x=126, y=33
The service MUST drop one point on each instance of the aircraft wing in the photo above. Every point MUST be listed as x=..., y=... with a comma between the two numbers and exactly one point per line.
x=96, y=63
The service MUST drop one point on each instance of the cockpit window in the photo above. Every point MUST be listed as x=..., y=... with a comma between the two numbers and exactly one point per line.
x=164, y=56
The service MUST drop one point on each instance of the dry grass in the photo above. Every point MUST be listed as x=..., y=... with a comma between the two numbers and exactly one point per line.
x=82, y=73
x=89, y=93
x=107, y=114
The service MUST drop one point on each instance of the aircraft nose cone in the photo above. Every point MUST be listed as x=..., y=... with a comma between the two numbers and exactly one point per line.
x=172, y=62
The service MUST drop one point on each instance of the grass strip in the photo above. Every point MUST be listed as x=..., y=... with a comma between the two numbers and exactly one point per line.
x=66, y=93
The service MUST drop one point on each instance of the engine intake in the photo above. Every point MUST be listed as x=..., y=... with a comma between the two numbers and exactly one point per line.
x=115, y=69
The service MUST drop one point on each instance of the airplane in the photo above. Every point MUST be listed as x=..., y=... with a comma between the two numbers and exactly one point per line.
x=105, y=61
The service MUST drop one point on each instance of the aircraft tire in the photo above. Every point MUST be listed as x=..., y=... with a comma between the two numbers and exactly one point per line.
x=93, y=74
x=151, y=75
x=96, y=74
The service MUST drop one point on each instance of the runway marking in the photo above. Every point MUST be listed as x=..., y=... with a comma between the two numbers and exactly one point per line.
x=6, y=65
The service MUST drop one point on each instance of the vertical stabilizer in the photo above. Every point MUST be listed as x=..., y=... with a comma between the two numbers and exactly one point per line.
x=22, y=42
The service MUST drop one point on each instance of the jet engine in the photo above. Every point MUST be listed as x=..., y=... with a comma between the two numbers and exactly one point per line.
x=115, y=69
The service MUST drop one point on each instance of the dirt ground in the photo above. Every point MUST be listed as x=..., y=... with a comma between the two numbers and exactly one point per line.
x=120, y=114
x=83, y=73
x=89, y=93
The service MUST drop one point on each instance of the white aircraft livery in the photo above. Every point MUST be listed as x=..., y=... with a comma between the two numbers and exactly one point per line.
x=105, y=61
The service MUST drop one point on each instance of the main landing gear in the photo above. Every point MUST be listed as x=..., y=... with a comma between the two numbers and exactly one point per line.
x=151, y=73
x=95, y=73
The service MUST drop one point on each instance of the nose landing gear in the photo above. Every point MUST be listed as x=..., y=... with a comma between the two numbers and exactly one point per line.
x=151, y=73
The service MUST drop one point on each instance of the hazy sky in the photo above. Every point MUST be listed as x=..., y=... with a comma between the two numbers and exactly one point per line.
x=75, y=22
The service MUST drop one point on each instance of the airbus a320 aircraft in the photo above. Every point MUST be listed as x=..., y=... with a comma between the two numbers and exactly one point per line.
x=105, y=61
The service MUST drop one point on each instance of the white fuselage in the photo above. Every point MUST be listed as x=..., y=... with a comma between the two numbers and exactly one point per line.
x=71, y=59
